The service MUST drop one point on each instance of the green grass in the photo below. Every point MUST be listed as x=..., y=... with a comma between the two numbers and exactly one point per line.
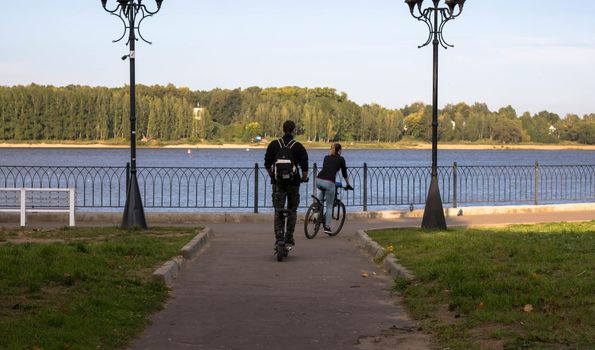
x=96, y=233
x=472, y=285
x=94, y=293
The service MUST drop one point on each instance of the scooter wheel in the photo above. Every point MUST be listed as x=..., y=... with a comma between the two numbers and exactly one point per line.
x=280, y=252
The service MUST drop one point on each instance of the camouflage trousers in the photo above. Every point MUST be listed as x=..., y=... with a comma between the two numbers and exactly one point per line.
x=289, y=194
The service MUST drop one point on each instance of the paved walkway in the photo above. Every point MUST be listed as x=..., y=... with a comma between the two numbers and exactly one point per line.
x=235, y=295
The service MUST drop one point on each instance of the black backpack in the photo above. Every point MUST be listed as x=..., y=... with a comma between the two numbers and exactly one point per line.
x=284, y=167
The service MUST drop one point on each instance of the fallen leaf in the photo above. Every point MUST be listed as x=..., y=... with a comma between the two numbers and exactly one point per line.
x=528, y=308
x=364, y=274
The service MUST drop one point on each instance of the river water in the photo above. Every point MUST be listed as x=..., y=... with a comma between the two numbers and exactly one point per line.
x=248, y=157
x=220, y=179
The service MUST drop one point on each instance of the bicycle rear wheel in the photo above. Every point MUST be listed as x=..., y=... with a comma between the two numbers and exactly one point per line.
x=339, y=214
x=312, y=221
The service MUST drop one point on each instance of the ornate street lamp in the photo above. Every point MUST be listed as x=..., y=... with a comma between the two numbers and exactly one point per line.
x=132, y=13
x=435, y=17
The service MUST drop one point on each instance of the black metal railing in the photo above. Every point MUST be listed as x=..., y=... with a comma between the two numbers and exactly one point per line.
x=247, y=188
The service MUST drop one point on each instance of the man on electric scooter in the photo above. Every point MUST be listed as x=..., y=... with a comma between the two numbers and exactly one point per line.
x=282, y=158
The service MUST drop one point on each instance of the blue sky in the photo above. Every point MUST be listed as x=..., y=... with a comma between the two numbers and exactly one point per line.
x=534, y=55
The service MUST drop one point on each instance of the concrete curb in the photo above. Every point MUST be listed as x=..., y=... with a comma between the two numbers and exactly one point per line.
x=395, y=269
x=190, y=249
x=364, y=241
x=170, y=269
x=176, y=218
x=376, y=252
x=173, y=218
x=470, y=211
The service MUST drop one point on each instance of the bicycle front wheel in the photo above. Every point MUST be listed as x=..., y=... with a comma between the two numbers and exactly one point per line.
x=339, y=214
x=312, y=221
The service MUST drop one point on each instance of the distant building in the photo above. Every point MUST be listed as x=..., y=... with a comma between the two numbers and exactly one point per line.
x=198, y=112
x=552, y=129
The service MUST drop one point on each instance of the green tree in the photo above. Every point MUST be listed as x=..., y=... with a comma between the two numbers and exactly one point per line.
x=76, y=112
x=252, y=130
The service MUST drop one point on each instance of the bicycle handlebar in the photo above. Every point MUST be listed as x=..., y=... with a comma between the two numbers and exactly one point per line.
x=339, y=185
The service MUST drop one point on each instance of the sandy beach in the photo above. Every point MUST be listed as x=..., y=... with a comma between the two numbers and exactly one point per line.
x=138, y=145
x=547, y=147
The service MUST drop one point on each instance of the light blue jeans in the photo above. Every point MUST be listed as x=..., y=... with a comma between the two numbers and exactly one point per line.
x=329, y=187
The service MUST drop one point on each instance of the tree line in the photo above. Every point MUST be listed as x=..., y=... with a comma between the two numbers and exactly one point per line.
x=168, y=113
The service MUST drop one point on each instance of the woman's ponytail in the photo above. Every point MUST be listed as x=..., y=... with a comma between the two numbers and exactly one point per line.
x=335, y=149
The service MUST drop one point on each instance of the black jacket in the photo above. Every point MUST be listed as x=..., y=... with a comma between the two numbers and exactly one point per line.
x=300, y=155
x=330, y=166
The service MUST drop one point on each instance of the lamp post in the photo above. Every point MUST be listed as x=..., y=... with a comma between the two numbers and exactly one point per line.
x=435, y=17
x=132, y=13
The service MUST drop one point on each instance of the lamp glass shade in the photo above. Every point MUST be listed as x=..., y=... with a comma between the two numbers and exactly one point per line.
x=451, y=4
x=412, y=3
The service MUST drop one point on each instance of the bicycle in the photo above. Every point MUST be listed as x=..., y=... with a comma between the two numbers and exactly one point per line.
x=315, y=214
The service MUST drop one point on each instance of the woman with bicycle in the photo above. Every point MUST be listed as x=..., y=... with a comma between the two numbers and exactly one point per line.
x=325, y=181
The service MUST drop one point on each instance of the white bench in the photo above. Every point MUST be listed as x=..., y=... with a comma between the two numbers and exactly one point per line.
x=23, y=203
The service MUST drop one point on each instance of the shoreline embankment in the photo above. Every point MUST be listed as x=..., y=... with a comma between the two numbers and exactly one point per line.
x=414, y=146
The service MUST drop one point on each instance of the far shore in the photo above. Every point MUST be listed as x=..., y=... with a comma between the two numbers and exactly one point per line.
x=346, y=145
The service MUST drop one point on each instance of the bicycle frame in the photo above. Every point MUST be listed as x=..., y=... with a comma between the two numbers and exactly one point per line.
x=316, y=214
x=321, y=205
